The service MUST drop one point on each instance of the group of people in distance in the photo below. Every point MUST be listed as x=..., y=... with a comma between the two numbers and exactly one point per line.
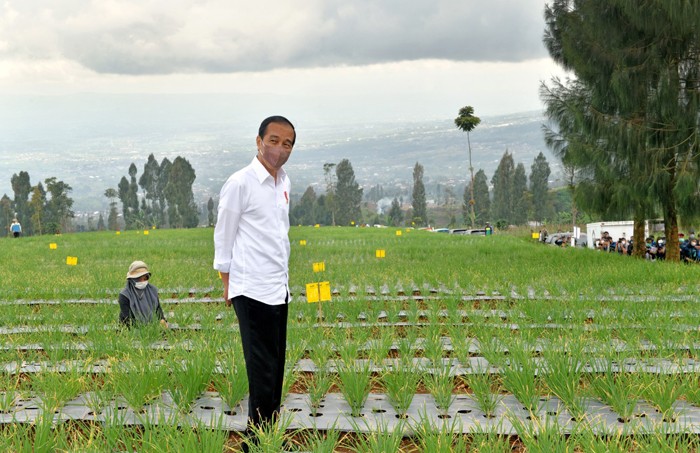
x=623, y=246
x=655, y=248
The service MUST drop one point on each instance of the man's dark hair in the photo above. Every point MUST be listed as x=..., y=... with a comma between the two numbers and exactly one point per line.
x=275, y=119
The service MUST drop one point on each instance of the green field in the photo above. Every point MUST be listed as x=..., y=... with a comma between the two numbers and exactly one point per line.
x=446, y=343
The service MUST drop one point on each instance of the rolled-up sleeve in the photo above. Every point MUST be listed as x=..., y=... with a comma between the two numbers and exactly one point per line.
x=229, y=215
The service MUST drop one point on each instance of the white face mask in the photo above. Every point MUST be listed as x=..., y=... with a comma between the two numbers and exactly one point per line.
x=141, y=285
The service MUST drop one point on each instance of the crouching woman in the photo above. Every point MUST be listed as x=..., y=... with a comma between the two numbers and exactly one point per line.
x=138, y=301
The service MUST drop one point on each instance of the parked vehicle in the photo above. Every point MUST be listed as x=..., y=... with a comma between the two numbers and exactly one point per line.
x=475, y=231
x=559, y=238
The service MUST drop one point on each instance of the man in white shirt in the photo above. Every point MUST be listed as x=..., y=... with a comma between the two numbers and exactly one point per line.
x=251, y=250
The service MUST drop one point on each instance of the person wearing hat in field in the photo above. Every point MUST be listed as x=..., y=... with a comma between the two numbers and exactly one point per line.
x=138, y=301
x=251, y=245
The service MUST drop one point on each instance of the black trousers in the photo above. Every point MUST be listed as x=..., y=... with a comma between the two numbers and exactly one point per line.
x=264, y=337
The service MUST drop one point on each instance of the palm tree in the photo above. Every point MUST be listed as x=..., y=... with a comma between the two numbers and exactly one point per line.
x=466, y=121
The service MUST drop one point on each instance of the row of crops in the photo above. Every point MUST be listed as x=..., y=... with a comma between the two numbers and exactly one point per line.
x=405, y=357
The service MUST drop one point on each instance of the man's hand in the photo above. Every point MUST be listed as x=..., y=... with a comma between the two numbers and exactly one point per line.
x=224, y=280
x=164, y=323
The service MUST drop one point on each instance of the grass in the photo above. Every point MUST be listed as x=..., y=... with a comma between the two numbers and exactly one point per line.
x=540, y=347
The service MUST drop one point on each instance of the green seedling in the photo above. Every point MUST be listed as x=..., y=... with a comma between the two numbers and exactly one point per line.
x=440, y=384
x=316, y=441
x=317, y=386
x=270, y=436
x=379, y=440
x=429, y=438
x=355, y=382
x=663, y=391
x=484, y=390
x=400, y=387
x=519, y=375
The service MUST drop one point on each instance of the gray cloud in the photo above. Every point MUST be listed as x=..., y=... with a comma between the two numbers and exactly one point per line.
x=218, y=36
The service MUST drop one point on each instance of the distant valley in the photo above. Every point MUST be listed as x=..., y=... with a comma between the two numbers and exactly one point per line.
x=91, y=146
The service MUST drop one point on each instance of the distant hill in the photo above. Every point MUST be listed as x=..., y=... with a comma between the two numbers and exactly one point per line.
x=91, y=144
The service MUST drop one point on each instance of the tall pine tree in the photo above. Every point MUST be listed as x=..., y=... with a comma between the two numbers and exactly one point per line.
x=539, y=187
x=502, y=180
x=348, y=195
x=520, y=196
x=419, y=204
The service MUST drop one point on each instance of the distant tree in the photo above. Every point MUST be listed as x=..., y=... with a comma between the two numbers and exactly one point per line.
x=123, y=193
x=395, y=216
x=466, y=121
x=182, y=210
x=539, y=187
x=419, y=205
x=112, y=218
x=59, y=205
x=329, y=201
x=321, y=213
x=101, y=223
x=348, y=195
x=210, y=211
x=149, y=183
x=303, y=212
x=22, y=187
x=36, y=209
x=502, y=180
x=134, y=192
x=163, y=178
x=6, y=214
x=375, y=194
x=481, y=197
x=520, y=196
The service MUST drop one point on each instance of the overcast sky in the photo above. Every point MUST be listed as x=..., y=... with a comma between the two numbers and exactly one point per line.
x=407, y=58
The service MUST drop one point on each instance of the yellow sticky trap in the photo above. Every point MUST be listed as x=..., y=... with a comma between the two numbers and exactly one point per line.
x=145, y=232
x=320, y=267
x=535, y=235
x=324, y=289
x=302, y=242
x=318, y=292
x=312, y=294
x=398, y=233
x=53, y=246
x=317, y=226
x=380, y=253
x=118, y=233
x=352, y=223
x=72, y=260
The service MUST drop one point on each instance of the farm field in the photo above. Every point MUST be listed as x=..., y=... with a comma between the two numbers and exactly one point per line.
x=430, y=342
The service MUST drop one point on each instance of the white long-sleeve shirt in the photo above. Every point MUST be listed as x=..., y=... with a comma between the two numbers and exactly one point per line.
x=251, y=237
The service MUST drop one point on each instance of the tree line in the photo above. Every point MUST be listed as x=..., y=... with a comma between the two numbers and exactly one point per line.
x=512, y=201
x=44, y=208
x=627, y=125
x=166, y=199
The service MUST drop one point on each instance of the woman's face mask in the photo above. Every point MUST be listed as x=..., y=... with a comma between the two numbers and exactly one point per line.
x=141, y=285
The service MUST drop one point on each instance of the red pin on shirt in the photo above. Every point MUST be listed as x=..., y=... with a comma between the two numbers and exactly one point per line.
x=286, y=197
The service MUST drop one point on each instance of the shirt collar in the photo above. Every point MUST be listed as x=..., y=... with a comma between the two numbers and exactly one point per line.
x=262, y=174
